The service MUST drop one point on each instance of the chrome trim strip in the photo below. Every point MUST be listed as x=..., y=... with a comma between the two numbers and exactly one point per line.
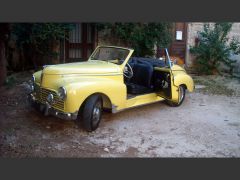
x=48, y=110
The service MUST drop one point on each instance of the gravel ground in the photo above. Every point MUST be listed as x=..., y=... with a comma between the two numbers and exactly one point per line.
x=205, y=125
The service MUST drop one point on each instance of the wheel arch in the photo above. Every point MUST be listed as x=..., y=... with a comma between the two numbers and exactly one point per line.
x=107, y=103
x=184, y=85
x=184, y=80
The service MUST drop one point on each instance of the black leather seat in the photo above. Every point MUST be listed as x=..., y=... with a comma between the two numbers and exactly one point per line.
x=141, y=82
x=152, y=61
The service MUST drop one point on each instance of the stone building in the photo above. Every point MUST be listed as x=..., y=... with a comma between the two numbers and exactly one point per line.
x=84, y=38
x=192, y=30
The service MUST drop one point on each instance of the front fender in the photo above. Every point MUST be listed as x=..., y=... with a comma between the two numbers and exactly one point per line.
x=183, y=78
x=37, y=76
x=77, y=92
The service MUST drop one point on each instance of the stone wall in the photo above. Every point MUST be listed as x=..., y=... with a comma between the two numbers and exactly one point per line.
x=193, y=28
x=192, y=31
x=236, y=33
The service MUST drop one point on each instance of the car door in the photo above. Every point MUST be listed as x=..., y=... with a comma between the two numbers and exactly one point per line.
x=164, y=80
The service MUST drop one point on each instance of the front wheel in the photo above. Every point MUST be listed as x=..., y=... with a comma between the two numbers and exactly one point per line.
x=91, y=112
x=181, y=91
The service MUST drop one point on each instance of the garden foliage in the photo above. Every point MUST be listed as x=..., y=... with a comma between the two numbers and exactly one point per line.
x=141, y=36
x=215, y=48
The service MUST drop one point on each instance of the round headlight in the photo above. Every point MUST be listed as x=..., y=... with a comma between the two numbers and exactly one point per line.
x=62, y=93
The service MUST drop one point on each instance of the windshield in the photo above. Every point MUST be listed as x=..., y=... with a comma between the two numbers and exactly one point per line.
x=110, y=54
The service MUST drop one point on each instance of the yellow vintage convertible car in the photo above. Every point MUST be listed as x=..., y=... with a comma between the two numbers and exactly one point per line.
x=110, y=80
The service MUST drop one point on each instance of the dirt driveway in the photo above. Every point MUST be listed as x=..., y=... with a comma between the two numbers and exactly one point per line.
x=206, y=125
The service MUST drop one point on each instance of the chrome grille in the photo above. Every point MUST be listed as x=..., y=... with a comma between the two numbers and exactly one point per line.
x=42, y=93
x=37, y=90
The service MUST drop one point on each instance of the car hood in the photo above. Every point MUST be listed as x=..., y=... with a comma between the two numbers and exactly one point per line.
x=88, y=67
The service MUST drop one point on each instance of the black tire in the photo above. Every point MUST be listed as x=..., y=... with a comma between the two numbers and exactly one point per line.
x=91, y=112
x=182, y=88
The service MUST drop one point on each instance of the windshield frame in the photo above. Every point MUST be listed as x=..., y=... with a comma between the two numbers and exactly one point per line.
x=130, y=51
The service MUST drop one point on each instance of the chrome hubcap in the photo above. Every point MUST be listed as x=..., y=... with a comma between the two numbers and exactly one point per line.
x=96, y=114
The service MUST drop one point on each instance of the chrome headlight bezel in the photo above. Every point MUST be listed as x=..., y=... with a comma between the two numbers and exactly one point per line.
x=62, y=93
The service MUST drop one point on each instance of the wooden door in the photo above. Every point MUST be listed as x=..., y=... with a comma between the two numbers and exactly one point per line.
x=178, y=46
x=80, y=42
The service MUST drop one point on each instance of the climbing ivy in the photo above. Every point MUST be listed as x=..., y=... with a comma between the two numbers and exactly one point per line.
x=36, y=40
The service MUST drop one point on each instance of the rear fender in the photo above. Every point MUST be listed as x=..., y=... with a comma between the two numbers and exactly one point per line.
x=184, y=79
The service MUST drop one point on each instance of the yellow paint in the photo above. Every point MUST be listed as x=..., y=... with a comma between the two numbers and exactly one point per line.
x=143, y=99
x=83, y=79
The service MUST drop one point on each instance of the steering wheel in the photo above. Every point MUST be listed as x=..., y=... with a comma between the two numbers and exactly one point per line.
x=128, y=72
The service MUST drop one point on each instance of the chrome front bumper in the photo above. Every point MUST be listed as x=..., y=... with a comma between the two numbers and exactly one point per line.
x=46, y=109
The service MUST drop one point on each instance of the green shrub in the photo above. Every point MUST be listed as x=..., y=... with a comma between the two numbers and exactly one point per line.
x=215, y=48
x=141, y=36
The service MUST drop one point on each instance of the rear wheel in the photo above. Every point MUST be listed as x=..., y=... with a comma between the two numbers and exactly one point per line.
x=91, y=112
x=182, y=91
